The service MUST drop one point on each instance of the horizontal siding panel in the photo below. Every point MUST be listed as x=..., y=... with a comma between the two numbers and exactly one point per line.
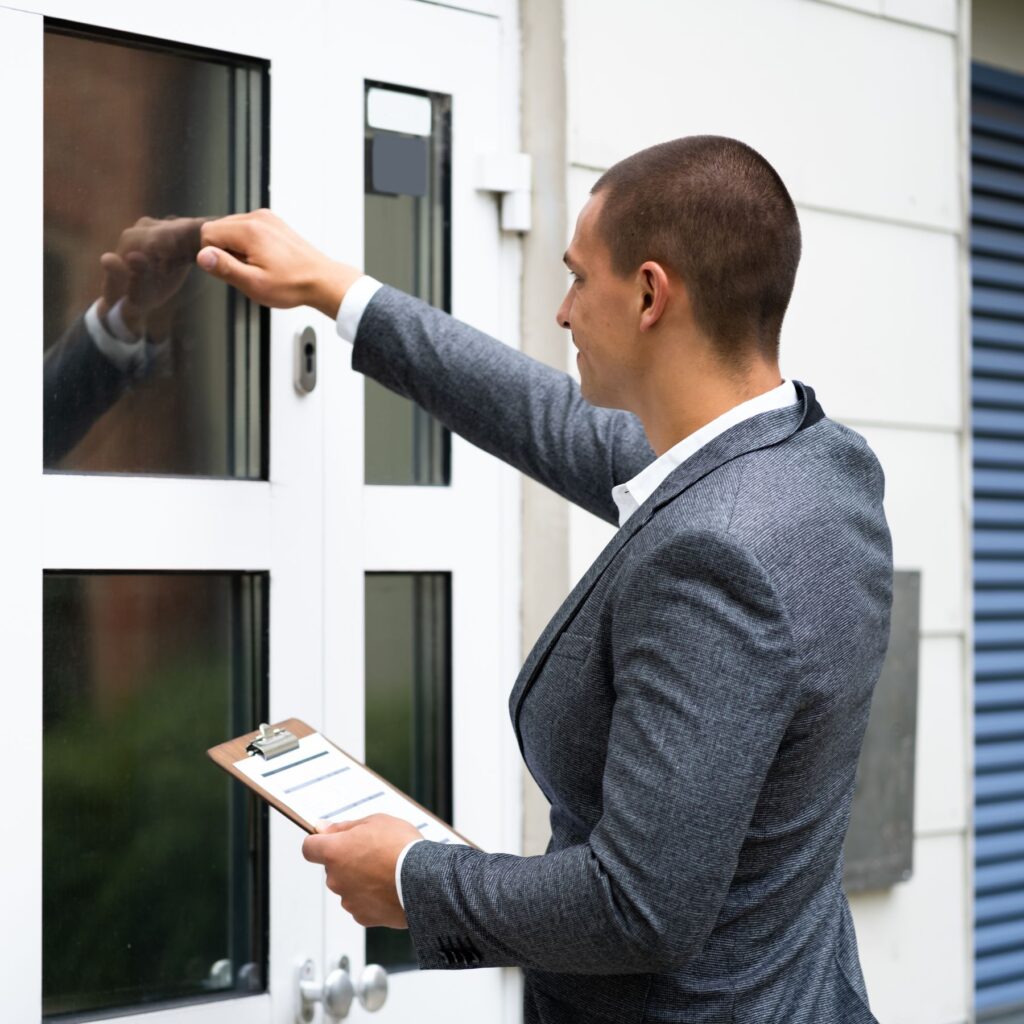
x=998, y=573
x=993, y=938
x=999, y=725
x=991, y=331
x=997, y=180
x=1001, y=907
x=999, y=451
x=1004, y=816
x=992, y=150
x=992, y=878
x=1000, y=967
x=998, y=301
x=992, y=240
x=992, y=210
x=1000, y=181
x=994, y=512
x=999, y=755
x=998, y=847
x=989, y=999
x=1003, y=786
x=998, y=633
x=994, y=391
x=1003, y=695
x=999, y=483
x=998, y=362
x=985, y=120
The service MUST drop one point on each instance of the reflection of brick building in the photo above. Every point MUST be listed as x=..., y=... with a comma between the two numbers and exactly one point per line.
x=129, y=133
x=132, y=133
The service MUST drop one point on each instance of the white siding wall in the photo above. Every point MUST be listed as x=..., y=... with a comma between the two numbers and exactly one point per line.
x=857, y=105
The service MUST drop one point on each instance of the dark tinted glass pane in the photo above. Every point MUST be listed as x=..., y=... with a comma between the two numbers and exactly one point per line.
x=407, y=246
x=150, y=366
x=154, y=877
x=408, y=705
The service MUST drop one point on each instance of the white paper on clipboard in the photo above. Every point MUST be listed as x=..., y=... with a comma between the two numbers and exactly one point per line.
x=320, y=783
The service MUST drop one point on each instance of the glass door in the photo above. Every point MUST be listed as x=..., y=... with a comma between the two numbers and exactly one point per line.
x=420, y=531
x=192, y=544
x=164, y=565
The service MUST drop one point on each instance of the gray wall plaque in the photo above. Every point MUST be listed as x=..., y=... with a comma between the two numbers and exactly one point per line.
x=880, y=842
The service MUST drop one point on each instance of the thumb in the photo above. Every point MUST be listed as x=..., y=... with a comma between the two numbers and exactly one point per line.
x=219, y=263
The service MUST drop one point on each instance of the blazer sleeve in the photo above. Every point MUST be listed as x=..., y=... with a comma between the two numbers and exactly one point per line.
x=706, y=684
x=524, y=412
x=79, y=385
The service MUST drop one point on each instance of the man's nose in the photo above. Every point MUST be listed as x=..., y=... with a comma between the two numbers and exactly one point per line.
x=562, y=313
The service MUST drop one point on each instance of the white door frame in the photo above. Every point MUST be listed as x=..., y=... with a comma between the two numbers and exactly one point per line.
x=314, y=525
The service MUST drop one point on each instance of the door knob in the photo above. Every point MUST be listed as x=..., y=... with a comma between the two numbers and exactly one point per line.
x=337, y=991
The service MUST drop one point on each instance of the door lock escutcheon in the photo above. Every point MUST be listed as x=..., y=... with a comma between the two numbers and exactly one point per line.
x=305, y=360
x=337, y=991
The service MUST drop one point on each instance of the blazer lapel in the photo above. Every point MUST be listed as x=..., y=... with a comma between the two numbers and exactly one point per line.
x=762, y=431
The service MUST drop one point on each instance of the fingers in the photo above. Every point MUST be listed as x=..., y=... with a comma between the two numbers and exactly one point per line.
x=223, y=265
x=326, y=827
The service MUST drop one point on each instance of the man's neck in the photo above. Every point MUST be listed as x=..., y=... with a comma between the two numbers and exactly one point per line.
x=677, y=407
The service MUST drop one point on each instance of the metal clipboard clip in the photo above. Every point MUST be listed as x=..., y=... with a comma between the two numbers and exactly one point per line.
x=271, y=742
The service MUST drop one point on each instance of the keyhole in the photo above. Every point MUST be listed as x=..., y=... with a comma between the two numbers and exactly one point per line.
x=309, y=356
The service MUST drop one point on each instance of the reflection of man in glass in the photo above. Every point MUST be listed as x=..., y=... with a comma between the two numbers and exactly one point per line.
x=112, y=343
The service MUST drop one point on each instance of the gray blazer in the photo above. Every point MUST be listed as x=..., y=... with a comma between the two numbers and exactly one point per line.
x=693, y=712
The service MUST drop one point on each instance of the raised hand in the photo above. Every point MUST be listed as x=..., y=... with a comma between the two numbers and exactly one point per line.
x=261, y=256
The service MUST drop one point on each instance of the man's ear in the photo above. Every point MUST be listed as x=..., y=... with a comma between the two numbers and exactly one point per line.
x=654, y=286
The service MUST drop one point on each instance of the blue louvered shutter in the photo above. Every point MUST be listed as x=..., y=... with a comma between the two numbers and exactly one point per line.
x=997, y=262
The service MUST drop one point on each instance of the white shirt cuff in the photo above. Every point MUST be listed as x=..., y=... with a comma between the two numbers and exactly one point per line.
x=118, y=344
x=398, y=866
x=352, y=307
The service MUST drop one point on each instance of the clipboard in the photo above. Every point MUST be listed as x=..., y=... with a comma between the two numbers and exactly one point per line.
x=294, y=768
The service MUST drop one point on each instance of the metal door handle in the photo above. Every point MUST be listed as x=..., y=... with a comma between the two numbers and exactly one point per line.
x=337, y=991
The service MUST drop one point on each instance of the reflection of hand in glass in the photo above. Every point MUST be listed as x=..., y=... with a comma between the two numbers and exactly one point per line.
x=91, y=365
x=152, y=260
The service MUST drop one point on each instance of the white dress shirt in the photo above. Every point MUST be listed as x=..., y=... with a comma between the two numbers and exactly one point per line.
x=128, y=352
x=628, y=497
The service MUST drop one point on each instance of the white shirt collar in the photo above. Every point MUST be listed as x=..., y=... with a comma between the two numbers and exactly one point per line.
x=628, y=497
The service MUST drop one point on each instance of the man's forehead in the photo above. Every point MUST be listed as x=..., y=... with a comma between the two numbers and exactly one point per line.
x=585, y=237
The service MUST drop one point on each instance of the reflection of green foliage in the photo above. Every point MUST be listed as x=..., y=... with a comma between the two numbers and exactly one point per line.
x=136, y=844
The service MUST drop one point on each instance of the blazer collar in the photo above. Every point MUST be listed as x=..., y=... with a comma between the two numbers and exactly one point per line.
x=762, y=431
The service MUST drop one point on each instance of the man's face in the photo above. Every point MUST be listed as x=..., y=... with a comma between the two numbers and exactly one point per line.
x=601, y=311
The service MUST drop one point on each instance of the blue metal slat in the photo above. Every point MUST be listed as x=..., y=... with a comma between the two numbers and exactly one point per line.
x=998, y=301
x=992, y=210
x=994, y=938
x=1000, y=907
x=996, y=755
x=997, y=383
x=1003, y=786
x=995, y=452
x=1000, y=181
x=999, y=483
x=992, y=331
x=993, y=878
x=996, y=512
x=992, y=240
x=1000, y=846
x=999, y=271
x=990, y=634
x=995, y=150
x=999, y=695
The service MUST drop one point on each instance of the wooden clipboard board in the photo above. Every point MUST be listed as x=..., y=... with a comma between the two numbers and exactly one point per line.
x=226, y=755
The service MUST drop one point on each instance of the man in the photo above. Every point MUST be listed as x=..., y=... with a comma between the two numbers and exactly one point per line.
x=695, y=710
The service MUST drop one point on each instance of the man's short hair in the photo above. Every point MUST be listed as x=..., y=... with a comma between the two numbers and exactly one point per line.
x=714, y=211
